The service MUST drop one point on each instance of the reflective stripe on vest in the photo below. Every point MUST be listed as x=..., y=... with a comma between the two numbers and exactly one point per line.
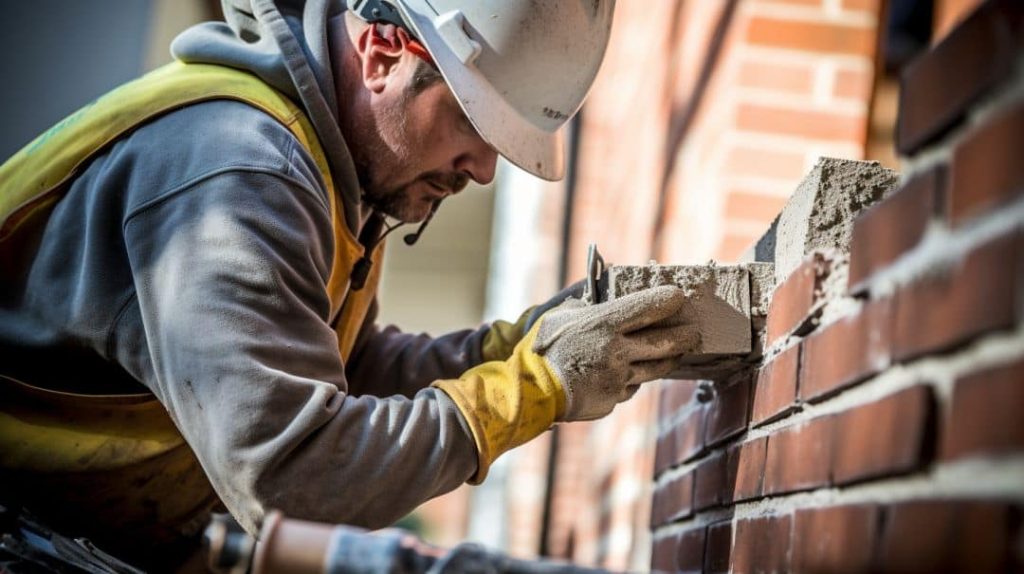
x=118, y=437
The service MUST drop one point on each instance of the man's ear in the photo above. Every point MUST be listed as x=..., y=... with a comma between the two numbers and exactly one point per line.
x=380, y=58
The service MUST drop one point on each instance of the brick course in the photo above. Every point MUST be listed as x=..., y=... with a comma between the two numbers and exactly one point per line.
x=838, y=539
x=847, y=351
x=887, y=437
x=986, y=170
x=940, y=86
x=950, y=307
x=893, y=227
x=775, y=390
x=799, y=458
x=986, y=416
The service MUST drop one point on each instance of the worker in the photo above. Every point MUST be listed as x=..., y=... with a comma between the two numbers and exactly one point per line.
x=189, y=267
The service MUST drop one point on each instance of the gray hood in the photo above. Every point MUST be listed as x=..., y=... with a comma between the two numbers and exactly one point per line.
x=284, y=42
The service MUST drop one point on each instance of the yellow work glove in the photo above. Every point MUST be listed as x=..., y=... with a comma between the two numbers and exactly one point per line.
x=576, y=363
x=503, y=336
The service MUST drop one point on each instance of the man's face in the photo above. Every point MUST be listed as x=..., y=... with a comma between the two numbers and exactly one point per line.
x=423, y=149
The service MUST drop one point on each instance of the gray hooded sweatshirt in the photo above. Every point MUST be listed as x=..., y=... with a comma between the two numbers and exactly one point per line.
x=191, y=258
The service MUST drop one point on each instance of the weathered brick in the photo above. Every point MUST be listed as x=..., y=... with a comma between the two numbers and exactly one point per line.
x=673, y=500
x=846, y=351
x=889, y=436
x=663, y=554
x=664, y=452
x=775, y=390
x=690, y=557
x=689, y=435
x=941, y=311
x=945, y=536
x=836, y=539
x=680, y=440
x=799, y=457
x=811, y=36
x=986, y=170
x=892, y=227
x=986, y=415
x=749, y=461
x=718, y=549
x=762, y=544
x=713, y=482
x=728, y=413
x=673, y=396
x=793, y=298
x=979, y=54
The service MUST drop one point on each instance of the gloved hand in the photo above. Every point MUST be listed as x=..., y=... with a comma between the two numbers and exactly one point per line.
x=503, y=336
x=602, y=353
x=576, y=363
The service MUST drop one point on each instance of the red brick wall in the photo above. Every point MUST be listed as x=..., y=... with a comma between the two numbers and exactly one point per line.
x=704, y=118
x=884, y=429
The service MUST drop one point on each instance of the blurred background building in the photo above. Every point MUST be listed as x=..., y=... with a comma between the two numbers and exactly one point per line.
x=705, y=116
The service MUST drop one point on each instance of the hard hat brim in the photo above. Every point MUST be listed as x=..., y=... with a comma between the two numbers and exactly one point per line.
x=530, y=147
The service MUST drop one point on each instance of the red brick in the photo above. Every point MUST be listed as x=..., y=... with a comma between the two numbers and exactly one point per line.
x=764, y=162
x=854, y=84
x=775, y=390
x=749, y=460
x=795, y=2
x=791, y=78
x=945, y=536
x=733, y=245
x=752, y=206
x=863, y=5
x=663, y=554
x=986, y=170
x=986, y=414
x=846, y=351
x=762, y=544
x=728, y=413
x=664, y=452
x=811, y=36
x=892, y=227
x=938, y=88
x=799, y=457
x=672, y=501
x=944, y=310
x=837, y=539
x=673, y=396
x=793, y=299
x=887, y=437
x=689, y=435
x=718, y=550
x=802, y=123
x=713, y=484
x=690, y=557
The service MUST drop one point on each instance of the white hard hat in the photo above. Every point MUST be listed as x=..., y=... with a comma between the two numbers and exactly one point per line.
x=519, y=68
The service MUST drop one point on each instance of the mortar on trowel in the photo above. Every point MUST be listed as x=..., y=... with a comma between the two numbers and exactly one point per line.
x=718, y=304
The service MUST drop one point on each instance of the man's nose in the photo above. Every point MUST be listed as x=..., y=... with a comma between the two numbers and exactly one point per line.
x=478, y=162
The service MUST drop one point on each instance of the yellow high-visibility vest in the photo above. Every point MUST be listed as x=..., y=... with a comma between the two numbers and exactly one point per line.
x=120, y=460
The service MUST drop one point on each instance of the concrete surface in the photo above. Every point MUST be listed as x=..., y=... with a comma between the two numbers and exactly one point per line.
x=723, y=302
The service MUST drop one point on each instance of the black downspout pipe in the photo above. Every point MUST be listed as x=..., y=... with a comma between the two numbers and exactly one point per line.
x=571, y=177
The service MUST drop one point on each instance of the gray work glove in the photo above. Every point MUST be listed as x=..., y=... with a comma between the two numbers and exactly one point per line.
x=602, y=353
x=574, y=291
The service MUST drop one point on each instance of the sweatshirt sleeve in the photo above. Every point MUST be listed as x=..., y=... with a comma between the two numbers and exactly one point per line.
x=389, y=362
x=230, y=272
